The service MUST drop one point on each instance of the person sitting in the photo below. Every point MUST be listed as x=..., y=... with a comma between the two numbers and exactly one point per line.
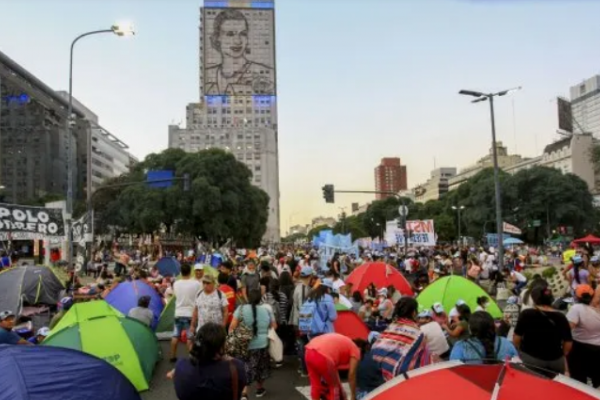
x=7, y=323
x=141, y=312
x=483, y=345
x=39, y=337
x=208, y=373
x=65, y=305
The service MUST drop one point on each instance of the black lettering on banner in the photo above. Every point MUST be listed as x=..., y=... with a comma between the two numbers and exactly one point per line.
x=27, y=223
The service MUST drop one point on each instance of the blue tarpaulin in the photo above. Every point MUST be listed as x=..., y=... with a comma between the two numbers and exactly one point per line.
x=168, y=266
x=125, y=296
x=55, y=373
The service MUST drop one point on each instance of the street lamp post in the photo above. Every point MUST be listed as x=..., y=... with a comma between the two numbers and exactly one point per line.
x=490, y=97
x=458, y=210
x=119, y=30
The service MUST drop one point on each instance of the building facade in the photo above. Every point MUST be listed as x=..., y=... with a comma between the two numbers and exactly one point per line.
x=237, y=111
x=33, y=136
x=390, y=176
x=585, y=105
x=320, y=221
x=436, y=186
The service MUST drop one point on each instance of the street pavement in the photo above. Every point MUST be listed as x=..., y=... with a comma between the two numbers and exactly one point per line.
x=284, y=383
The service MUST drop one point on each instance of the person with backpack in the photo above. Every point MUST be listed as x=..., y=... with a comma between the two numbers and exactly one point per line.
x=318, y=312
x=211, y=305
x=301, y=292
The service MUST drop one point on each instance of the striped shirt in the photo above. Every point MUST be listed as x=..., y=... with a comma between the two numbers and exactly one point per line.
x=400, y=348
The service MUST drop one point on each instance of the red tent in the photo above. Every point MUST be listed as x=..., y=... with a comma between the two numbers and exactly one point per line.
x=348, y=323
x=382, y=275
x=591, y=239
x=481, y=382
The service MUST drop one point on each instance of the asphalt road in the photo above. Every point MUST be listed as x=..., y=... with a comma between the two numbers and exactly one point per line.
x=282, y=384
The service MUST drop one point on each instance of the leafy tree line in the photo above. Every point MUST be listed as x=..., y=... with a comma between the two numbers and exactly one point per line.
x=221, y=202
x=537, y=196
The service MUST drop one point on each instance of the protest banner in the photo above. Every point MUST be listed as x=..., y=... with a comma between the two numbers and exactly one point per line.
x=18, y=222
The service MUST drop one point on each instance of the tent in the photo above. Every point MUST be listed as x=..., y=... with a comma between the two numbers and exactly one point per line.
x=340, y=307
x=166, y=321
x=381, y=274
x=460, y=381
x=450, y=289
x=591, y=239
x=348, y=323
x=126, y=343
x=125, y=296
x=88, y=310
x=28, y=284
x=168, y=266
x=52, y=373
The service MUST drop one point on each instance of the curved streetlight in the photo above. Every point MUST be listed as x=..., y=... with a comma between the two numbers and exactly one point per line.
x=480, y=96
x=122, y=29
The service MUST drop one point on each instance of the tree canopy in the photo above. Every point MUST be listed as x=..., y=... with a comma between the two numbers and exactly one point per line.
x=221, y=202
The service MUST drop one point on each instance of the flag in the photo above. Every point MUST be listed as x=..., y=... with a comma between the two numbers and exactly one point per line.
x=508, y=228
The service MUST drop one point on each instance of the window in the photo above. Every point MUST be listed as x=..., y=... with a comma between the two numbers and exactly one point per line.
x=257, y=168
x=582, y=89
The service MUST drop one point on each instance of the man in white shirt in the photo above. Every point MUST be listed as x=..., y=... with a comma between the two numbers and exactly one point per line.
x=434, y=334
x=185, y=291
x=211, y=305
x=518, y=279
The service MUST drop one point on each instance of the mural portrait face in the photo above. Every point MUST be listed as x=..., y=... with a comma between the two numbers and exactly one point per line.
x=230, y=36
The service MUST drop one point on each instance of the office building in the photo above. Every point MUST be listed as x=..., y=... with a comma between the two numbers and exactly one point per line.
x=585, y=105
x=436, y=186
x=321, y=221
x=237, y=110
x=390, y=176
x=33, y=137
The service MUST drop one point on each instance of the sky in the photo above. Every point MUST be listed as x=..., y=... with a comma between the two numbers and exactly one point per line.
x=358, y=80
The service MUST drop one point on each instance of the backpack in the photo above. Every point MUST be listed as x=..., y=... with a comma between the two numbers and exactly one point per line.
x=307, y=313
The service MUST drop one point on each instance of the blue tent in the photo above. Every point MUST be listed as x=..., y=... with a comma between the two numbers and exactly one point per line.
x=168, y=266
x=125, y=296
x=54, y=373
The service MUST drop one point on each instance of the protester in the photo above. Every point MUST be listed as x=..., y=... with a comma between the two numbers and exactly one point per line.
x=543, y=335
x=259, y=319
x=318, y=313
x=525, y=296
x=7, y=323
x=229, y=293
x=208, y=373
x=211, y=305
x=326, y=354
x=40, y=336
x=434, y=335
x=141, y=312
x=402, y=346
x=518, y=279
x=585, y=323
x=369, y=375
x=301, y=292
x=483, y=345
x=199, y=272
x=458, y=329
x=578, y=275
x=385, y=307
x=226, y=268
x=482, y=303
x=65, y=305
x=250, y=278
x=439, y=315
x=185, y=290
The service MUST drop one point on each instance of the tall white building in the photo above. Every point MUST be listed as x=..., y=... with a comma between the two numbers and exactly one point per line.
x=238, y=93
x=585, y=103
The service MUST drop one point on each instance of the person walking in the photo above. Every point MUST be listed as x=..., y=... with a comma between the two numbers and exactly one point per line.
x=211, y=305
x=185, y=291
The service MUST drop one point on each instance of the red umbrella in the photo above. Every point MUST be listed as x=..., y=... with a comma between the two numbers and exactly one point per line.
x=588, y=239
x=382, y=275
x=480, y=382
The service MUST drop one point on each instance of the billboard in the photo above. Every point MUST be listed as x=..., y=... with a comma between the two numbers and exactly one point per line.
x=565, y=115
x=238, y=51
x=420, y=233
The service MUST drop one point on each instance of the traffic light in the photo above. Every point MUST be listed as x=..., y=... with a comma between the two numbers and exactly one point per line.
x=328, y=194
x=186, y=182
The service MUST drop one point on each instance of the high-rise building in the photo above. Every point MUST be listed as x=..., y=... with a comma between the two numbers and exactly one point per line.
x=238, y=93
x=585, y=105
x=390, y=176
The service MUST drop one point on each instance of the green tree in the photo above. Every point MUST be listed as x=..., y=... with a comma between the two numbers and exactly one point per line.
x=353, y=225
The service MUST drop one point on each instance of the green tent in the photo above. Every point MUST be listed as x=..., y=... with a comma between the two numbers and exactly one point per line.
x=126, y=343
x=84, y=311
x=341, y=307
x=166, y=321
x=450, y=289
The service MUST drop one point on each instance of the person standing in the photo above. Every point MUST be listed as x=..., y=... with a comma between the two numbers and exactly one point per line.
x=301, y=292
x=229, y=293
x=227, y=269
x=211, y=305
x=185, y=291
x=250, y=278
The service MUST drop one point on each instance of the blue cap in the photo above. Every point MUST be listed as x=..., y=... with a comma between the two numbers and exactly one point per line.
x=306, y=271
x=577, y=259
x=425, y=314
x=373, y=335
x=327, y=283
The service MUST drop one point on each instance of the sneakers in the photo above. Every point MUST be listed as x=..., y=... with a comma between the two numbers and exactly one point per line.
x=261, y=392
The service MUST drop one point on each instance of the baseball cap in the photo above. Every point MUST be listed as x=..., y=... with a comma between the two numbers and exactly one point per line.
x=438, y=308
x=460, y=302
x=6, y=314
x=425, y=314
x=199, y=267
x=45, y=331
x=208, y=278
x=583, y=289
x=577, y=259
x=327, y=283
x=306, y=271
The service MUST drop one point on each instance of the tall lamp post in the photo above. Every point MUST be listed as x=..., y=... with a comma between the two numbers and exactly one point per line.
x=458, y=210
x=490, y=97
x=119, y=30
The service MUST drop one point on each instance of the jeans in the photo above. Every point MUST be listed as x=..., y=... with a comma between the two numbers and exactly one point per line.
x=301, y=342
x=519, y=286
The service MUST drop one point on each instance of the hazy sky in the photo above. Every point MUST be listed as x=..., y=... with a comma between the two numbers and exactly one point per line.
x=358, y=79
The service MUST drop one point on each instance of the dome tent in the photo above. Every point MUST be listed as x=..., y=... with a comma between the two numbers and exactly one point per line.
x=31, y=284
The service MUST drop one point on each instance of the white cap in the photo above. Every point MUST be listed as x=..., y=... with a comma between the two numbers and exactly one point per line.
x=199, y=267
x=438, y=308
x=460, y=302
x=45, y=331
